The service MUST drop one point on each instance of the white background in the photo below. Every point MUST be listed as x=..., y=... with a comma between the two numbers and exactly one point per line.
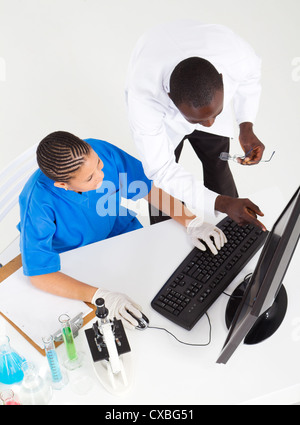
x=63, y=66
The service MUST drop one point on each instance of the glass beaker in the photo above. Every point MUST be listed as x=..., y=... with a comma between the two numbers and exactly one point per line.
x=58, y=378
x=10, y=363
x=9, y=399
x=34, y=390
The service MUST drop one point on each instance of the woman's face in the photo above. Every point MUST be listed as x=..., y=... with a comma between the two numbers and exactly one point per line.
x=88, y=177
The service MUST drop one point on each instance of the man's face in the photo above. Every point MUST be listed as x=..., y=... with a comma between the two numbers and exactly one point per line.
x=205, y=115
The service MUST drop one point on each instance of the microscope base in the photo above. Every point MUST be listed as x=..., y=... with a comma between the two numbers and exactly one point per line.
x=115, y=383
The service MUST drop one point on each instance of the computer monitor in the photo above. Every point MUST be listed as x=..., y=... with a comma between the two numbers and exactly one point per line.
x=257, y=307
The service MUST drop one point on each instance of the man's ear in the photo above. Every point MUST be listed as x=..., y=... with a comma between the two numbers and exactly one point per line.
x=61, y=185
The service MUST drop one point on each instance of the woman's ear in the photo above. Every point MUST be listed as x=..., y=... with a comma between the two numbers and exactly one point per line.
x=61, y=185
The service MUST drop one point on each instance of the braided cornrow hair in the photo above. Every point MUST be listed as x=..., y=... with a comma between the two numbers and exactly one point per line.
x=60, y=154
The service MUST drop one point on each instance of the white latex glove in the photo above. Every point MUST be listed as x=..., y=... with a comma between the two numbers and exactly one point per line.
x=197, y=229
x=117, y=304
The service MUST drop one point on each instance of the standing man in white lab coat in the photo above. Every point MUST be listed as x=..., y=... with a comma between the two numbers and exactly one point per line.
x=183, y=78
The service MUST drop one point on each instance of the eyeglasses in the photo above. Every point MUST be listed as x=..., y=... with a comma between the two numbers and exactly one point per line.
x=225, y=156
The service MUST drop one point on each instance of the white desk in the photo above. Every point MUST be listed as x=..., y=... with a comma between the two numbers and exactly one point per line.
x=167, y=372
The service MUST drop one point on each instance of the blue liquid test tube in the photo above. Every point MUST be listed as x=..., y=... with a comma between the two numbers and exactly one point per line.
x=58, y=380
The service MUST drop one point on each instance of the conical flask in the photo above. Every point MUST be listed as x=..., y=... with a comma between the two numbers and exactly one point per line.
x=10, y=363
x=8, y=398
x=34, y=390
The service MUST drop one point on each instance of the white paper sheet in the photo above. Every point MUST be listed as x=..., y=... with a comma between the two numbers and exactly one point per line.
x=34, y=311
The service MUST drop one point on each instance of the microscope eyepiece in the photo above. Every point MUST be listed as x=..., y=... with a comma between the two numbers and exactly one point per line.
x=102, y=311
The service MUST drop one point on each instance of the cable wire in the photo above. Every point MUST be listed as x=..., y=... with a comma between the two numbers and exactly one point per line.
x=187, y=343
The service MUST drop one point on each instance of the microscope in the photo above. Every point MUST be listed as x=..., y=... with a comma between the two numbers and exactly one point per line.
x=110, y=350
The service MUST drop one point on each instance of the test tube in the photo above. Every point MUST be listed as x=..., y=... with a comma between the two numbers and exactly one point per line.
x=73, y=357
x=57, y=377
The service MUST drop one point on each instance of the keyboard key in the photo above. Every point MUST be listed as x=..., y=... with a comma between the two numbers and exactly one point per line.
x=169, y=308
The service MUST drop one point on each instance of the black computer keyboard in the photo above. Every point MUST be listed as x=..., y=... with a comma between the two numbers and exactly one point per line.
x=202, y=277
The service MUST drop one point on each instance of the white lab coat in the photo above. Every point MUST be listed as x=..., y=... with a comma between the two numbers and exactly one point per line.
x=156, y=123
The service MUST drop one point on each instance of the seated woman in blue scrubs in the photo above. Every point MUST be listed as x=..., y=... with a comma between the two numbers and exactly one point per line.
x=74, y=199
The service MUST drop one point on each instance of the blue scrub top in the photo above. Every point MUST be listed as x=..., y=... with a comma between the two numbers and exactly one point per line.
x=54, y=220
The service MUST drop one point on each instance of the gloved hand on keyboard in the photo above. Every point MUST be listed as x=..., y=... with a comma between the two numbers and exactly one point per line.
x=117, y=305
x=199, y=230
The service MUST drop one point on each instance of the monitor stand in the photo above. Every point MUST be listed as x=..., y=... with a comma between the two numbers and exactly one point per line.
x=266, y=324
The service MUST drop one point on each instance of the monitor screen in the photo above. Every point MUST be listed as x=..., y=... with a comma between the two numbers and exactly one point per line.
x=257, y=307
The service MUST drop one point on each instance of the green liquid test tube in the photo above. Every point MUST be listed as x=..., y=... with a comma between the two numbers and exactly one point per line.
x=68, y=337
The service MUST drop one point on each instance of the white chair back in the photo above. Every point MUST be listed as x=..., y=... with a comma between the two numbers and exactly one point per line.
x=13, y=178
